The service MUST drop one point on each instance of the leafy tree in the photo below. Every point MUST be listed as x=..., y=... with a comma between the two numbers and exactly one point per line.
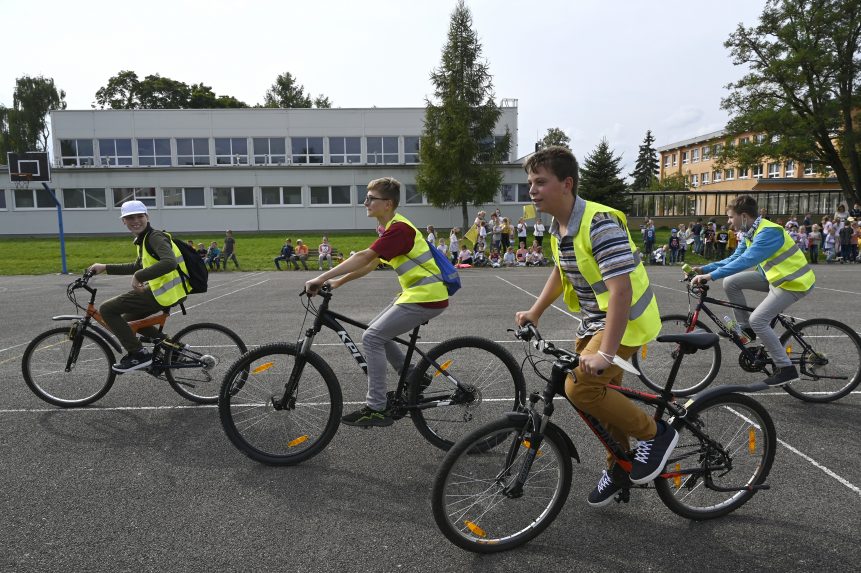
x=286, y=92
x=646, y=168
x=322, y=102
x=157, y=92
x=34, y=97
x=6, y=144
x=554, y=136
x=674, y=182
x=459, y=155
x=121, y=92
x=126, y=91
x=803, y=87
x=600, y=178
x=202, y=97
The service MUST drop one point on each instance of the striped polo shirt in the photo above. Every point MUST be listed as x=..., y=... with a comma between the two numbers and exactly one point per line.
x=612, y=252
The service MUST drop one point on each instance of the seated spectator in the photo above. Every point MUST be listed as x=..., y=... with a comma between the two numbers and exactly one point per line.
x=325, y=253
x=201, y=250
x=213, y=256
x=521, y=254
x=658, y=256
x=301, y=253
x=495, y=259
x=535, y=258
x=286, y=256
x=464, y=259
x=479, y=258
x=509, y=259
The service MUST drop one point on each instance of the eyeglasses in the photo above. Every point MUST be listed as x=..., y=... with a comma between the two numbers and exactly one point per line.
x=370, y=199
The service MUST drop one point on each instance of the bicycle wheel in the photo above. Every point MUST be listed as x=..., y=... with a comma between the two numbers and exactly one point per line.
x=90, y=377
x=469, y=499
x=196, y=370
x=289, y=435
x=735, y=452
x=831, y=368
x=444, y=413
x=655, y=359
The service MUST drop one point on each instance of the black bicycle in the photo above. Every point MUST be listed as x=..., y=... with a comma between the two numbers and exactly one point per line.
x=826, y=352
x=281, y=403
x=70, y=366
x=492, y=499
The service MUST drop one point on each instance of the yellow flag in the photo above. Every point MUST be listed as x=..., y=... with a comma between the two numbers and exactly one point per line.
x=529, y=211
x=471, y=235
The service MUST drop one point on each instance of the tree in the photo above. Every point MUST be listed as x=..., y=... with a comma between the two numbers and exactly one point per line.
x=286, y=92
x=126, y=91
x=6, y=144
x=32, y=100
x=157, y=92
x=803, y=87
x=646, y=168
x=322, y=102
x=674, y=182
x=459, y=154
x=202, y=97
x=121, y=92
x=600, y=178
x=554, y=136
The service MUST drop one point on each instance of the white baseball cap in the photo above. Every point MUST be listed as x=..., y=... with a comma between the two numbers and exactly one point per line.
x=132, y=208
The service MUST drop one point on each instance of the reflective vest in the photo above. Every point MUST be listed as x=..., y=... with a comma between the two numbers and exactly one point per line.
x=644, y=321
x=167, y=289
x=787, y=268
x=418, y=273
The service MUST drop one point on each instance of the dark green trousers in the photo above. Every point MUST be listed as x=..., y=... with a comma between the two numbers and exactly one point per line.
x=118, y=311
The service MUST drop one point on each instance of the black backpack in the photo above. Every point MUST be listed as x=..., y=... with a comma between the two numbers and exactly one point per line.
x=196, y=281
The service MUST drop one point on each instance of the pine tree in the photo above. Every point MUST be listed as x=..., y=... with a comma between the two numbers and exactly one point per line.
x=459, y=155
x=600, y=178
x=647, y=167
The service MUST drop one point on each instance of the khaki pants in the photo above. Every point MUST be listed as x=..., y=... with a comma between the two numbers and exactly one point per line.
x=620, y=416
x=118, y=311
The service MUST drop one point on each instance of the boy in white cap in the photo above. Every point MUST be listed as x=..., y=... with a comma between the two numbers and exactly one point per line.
x=156, y=285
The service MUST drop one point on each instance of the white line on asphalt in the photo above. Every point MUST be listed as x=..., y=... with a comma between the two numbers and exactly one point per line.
x=836, y=290
x=565, y=312
x=11, y=347
x=842, y=480
x=666, y=287
x=226, y=294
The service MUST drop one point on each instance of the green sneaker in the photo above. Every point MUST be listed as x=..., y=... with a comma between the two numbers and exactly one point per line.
x=366, y=417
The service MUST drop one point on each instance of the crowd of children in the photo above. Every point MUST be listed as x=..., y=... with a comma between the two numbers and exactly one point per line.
x=501, y=251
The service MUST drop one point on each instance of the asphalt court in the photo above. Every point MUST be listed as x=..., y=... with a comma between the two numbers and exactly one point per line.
x=143, y=480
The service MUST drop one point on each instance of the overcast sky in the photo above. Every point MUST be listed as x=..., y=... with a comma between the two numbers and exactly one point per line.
x=594, y=68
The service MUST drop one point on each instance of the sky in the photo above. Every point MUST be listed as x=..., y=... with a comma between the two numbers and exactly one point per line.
x=594, y=68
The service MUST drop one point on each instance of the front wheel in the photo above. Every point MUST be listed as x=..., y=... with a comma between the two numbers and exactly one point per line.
x=196, y=369
x=87, y=357
x=264, y=429
x=828, y=362
x=492, y=384
x=655, y=359
x=476, y=502
x=725, y=443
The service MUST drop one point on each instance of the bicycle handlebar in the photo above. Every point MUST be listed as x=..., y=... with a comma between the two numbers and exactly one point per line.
x=528, y=333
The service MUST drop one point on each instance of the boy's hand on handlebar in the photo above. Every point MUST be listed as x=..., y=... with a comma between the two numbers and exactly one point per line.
x=593, y=364
x=97, y=268
x=313, y=286
x=701, y=279
x=526, y=316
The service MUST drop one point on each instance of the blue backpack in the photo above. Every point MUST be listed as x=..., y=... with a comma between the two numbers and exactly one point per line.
x=450, y=277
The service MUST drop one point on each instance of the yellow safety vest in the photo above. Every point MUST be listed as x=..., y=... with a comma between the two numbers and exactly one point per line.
x=787, y=268
x=644, y=321
x=418, y=273
x=167, y=289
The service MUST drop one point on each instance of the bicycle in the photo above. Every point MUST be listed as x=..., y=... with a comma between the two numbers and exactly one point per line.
x=489, y=500
x=826, y=352
x=281, y=404
x=71, y=366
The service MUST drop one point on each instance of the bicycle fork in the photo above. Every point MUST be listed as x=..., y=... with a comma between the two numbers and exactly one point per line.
x=287, y=401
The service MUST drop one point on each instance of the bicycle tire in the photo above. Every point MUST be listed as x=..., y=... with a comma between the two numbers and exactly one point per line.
x=485, y=365
x=279, y=437
x=655, y=359
x=474, y=513
x=43, y=366
x=810, y=387
x=220, y=348
x=752, y=443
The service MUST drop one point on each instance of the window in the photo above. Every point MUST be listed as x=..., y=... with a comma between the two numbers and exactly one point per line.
x=231, y=151
x=808, y=168
x=413, y=197
x=411, y=149
x=523, y=193
x=345, y=150
x=696, y=155
x=281, y=195
x=717, y=176
x=76, y=152
x=115, y=151
x=270, y=150
x=757, y=171
x=2, y=199
x=773, y=170
x=704, y=178
x=307, y=149
x=729, y=174
x=707, y=152
x=717, y=148
x=33, y=199
x=154, y=152
x=666, y=160
x=760, y=137
x=744, y=140
x=684, y=157
x=508, y=193
x=675, y=159
x=695, y=180
x=382, y=150
x=743, y=173
x=183, y=196
x=789, y=169
x=332, y=195
x=192, y=151
x=232, y=196
x=145, y=195
x=84, y=199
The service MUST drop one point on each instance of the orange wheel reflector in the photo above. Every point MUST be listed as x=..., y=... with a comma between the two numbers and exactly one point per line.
x=297, y=441
x=751, y=440
x=263, y=367
x=677, y=479
x=443, y=366
x=527, y=444
x=475, y=529
x=643, y=352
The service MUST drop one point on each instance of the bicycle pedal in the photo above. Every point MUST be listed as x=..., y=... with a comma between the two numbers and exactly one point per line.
x=624, y=496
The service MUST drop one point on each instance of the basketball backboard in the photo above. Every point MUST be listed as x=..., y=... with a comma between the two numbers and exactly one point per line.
x=28, y=166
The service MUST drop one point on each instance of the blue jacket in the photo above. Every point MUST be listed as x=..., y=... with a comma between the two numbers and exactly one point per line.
x=764, y=245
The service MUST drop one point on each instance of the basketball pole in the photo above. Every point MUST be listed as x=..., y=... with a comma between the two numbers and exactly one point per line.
x=60, y=221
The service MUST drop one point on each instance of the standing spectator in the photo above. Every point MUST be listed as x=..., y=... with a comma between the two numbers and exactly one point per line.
x=807, y=222
x=229, y=252
x=213, y=256
x=495, y=231
x=722, y=240
x=856, y=238
x=464, y=259
x=506, y=233
x=521, y=254
x=324, y=252
x=431, y=234
x=442, y=247
x=845, y=238
x=508, y=259
x=286, y=255
x=482, y=233
x=649, y=237
x=831, y=242
x=190, y=244
x=696, y=231
x=201, y=251
x=522, y=231
x=855, y=211
x=709, y=240
x=763, y=212
x=793, y=221
x=453, y=244
x=301, y=253
x=732, y=241
x=684, y=233
x=840, y=216
x=814, y=239
x=538, y=231
x=675, y=244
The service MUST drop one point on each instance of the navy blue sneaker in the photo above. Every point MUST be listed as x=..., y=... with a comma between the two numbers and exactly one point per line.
x=651, y=456
x=136, y=360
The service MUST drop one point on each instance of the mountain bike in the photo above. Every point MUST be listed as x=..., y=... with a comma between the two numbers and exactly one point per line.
x=826, y=352
x=493, y=499
x=70, y=366
x=281, y=404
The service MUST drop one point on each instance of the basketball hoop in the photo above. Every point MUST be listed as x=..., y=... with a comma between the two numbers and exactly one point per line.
x=21, y=180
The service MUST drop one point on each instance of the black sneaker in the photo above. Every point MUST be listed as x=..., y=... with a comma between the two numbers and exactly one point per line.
x=366, y=417
x=651, y=456
x=133, y=361
x=604, y=491
x=782, y=376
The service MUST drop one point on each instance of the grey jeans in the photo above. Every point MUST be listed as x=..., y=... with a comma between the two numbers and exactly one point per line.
x=759, y=320
x=377, y=343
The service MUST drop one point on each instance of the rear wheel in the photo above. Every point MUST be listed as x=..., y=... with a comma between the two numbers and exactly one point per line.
x=196, y=370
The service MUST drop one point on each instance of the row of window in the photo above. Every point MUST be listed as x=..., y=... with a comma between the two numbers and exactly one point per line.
x=711, y=150
x=706, y=204
x=757, y=172
x=173, y=197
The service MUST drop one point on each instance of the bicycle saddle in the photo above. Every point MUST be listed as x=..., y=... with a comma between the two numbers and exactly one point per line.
x=692, y=340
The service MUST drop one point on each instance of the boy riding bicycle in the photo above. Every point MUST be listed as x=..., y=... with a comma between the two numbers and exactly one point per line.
x=599, y=275
x=781, y=271
x=156, y=285
x=423, y=294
